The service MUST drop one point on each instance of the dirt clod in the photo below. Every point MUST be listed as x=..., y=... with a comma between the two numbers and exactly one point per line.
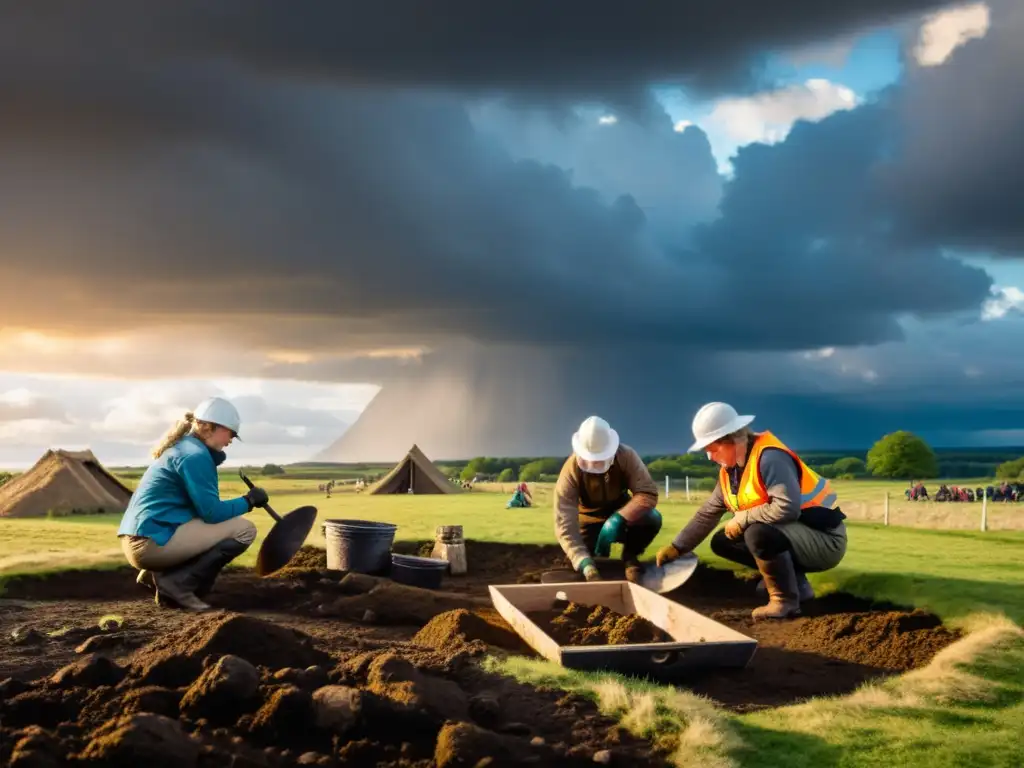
x=464, y=744
x=223, y=691
x=142, y=739
x=89, y=672
x=571, y=623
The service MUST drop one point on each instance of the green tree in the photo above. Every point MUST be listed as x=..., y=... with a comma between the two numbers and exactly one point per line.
x=507, y=475
x=272, y=469
x=902, y=455
x=5, y=477
x=531, y=473
x=661, y=467
x=850, y=465
x=1011, y=470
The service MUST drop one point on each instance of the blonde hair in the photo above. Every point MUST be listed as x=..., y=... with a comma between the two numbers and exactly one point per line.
x=185, y=425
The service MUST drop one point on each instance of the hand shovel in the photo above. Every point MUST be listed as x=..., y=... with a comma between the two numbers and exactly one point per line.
x=285, y=538
x=669, y=576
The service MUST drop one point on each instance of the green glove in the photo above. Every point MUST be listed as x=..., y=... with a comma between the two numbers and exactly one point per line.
x=612, y=530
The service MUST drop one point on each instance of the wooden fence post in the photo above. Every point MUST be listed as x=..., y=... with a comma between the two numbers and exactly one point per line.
x=887, y=508
x=984, y=512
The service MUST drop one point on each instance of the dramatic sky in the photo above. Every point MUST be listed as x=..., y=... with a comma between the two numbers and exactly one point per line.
x=470, y=225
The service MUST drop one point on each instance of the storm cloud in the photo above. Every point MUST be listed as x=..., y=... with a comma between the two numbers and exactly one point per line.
x=324, y=183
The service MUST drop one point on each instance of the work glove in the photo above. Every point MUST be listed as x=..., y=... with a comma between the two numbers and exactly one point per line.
x=589, y=570
x=667, y=554
x=256, y=497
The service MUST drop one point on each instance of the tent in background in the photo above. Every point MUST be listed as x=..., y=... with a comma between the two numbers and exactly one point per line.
x=418, y=472
x=64, y=483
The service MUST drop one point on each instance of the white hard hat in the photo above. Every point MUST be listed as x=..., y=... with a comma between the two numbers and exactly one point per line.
x=595, y=440
x=713, y=422
x=217, y=410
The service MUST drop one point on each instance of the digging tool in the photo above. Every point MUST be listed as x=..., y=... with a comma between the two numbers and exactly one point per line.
x=285, y=538
x=669, y=576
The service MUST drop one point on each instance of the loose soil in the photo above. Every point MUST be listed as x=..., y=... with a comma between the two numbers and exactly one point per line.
x=572, y=623
x=314, y=667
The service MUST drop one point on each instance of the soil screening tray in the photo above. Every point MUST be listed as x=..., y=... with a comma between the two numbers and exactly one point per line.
x=698, y=643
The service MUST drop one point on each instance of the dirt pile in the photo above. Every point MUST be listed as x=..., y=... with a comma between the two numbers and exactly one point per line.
x=225, y=698
x=570, y=623
x=462, y=627
x=177, y=658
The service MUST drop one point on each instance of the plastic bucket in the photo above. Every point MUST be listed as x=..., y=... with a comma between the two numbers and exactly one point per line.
x=425, y=572
x=361, y=546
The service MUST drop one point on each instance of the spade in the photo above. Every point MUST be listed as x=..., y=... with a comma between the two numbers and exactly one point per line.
x=285, y=538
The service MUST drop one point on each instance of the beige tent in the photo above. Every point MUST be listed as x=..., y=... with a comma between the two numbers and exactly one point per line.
x=418, y=472
x=63, y=483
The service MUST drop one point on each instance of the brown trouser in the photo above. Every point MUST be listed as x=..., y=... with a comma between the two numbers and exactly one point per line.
x=190, y=539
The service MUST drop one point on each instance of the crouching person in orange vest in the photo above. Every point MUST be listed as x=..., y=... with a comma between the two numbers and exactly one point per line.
x=786, y=519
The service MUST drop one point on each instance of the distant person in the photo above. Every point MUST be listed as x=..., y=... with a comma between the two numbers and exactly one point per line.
x=786, y=521
x=176, y=529
x=604, y=494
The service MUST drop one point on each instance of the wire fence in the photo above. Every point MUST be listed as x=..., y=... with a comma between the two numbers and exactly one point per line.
x=891, y=509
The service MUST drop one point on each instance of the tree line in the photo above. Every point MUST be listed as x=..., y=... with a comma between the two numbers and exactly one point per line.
x=899, y=455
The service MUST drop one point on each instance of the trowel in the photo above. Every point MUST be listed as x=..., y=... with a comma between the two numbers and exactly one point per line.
x=285, y=538
x=671, y=575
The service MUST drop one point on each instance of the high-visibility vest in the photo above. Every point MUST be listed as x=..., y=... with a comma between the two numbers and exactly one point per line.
x=815, y=491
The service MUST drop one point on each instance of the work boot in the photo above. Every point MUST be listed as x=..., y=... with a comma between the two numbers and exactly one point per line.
x=783, y=595
x=228, y=550
x=177, y=588
x=804, y=587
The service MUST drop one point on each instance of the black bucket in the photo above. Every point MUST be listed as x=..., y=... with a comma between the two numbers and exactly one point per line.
x=425, y=572
x=361, y=546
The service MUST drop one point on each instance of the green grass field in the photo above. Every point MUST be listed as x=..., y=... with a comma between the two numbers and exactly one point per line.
x=966, y=709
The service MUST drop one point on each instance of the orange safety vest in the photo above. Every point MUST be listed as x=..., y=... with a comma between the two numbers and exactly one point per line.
x=815, y=491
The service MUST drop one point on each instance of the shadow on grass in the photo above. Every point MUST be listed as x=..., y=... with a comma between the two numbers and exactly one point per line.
x=949, y=598
x=767, y=748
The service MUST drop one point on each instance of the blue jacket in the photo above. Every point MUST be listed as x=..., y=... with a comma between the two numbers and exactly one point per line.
x=180, y=485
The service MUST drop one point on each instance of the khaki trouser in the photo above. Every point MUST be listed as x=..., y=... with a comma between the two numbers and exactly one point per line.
x=190, y=539
x=816, y=550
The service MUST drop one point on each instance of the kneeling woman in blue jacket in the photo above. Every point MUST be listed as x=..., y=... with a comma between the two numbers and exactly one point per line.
x=176, y=530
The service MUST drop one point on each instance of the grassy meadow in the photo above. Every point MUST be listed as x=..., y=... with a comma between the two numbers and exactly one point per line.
x=965, y=709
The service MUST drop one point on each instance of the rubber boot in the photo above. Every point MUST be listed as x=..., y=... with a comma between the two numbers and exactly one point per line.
x=228, y=550
x=783, y=595
x=178, y=586
x=806, y=591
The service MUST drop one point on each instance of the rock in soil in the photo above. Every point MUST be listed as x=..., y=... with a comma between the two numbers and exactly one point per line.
x=223, y=691
x=571, y=623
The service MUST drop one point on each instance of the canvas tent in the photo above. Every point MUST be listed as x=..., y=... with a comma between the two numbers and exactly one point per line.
x=418, y=472
x=63, y=483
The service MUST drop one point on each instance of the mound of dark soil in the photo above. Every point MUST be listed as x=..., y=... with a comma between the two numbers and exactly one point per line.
x=232, y=695
x=451, y=628
x=177, y=659
x=570, y=623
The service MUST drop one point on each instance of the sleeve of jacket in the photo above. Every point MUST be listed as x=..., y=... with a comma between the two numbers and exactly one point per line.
x=641, y=485
x=200, y=477
x=782, y=481
x=566, y=512
x=702, y=523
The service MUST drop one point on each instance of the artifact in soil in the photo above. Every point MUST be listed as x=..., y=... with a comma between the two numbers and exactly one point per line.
x=570, y=623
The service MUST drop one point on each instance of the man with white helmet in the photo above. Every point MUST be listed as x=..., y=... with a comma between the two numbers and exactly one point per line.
x=177, y=531
x=604, y=494
x=786, y=517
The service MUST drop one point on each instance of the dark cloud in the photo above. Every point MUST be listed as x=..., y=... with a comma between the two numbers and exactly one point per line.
x=604, y=50
x=955, y=176
x=265, y=178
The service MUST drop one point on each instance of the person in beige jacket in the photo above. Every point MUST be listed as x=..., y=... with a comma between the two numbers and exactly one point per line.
x=604, y=494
